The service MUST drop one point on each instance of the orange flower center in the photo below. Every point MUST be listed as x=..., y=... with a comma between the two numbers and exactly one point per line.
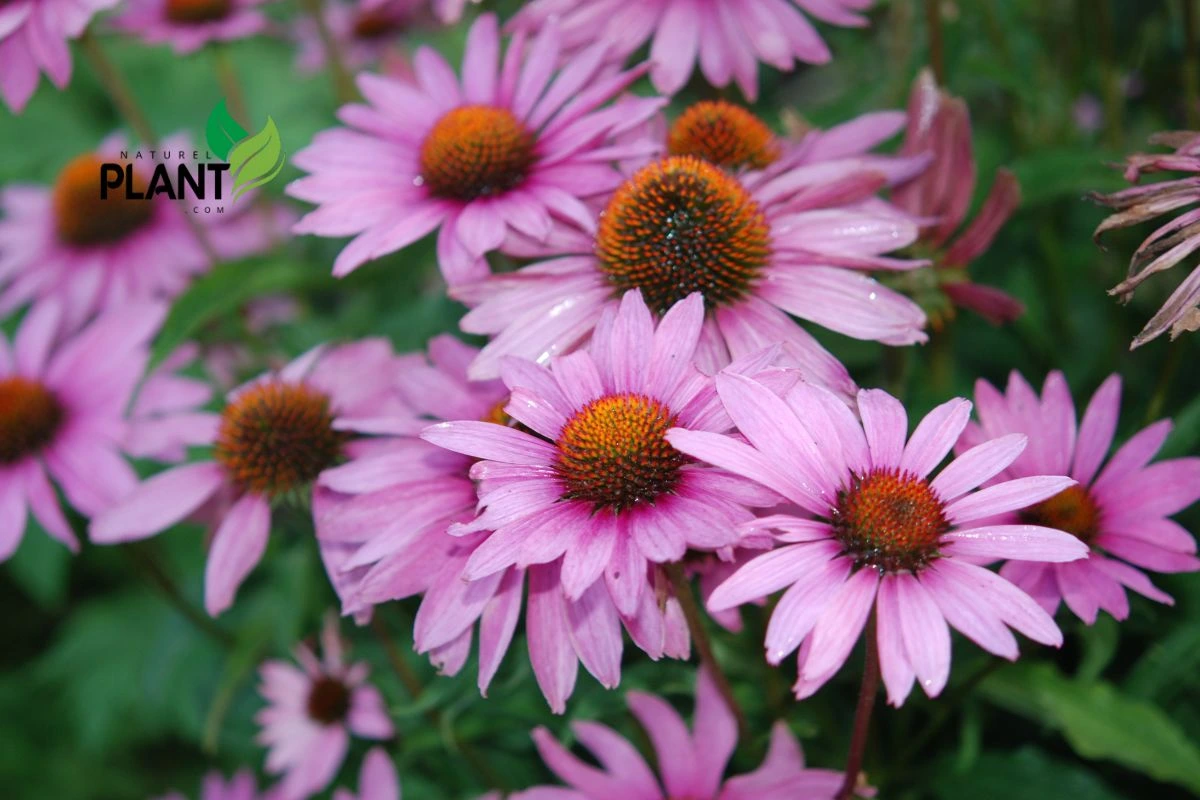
x=328, y=700
x=82, y=218
x=681, y=226
x=196, y=12
x=889, y=521
x=29, y=417
x=723, y=134
x=1071, y=510
x=614, y=452
x=476, y=151
x=376, y=24
x=277, y=437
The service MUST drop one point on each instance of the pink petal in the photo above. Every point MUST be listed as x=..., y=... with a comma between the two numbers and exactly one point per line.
x=1021, y=542
x=237, y=547
x=886, y=426
x=1008, y=496
x=1097, y=429
x=158, y=503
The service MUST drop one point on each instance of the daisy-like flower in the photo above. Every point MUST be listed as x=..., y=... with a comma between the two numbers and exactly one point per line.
x=90, y=253
x=757, y=247
x=691, y=764
x=241, y=786
x=164, y=419
x=512, y=146
x=364, y=31
x=272, y=440
x=882, y=538
x=592, y=479
x=940, y=125
x=727, y=37
x=1121, y=512
x=62, y=416
x=33, y=39
x=311, y=713
x=188, y=25
x=1170, y=244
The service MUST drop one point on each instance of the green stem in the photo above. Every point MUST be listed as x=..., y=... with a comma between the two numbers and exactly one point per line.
x=415, y=688
x=143, y=557
x=1166, y=377
x=1191, y=64
x=231, y=88
x=343, y=85
x=1114, y=100
x=933, y=25
x=695, y=622
x=862, y=714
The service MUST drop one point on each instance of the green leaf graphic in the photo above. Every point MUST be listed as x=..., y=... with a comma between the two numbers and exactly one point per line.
x=223, y=131
x=256, y=160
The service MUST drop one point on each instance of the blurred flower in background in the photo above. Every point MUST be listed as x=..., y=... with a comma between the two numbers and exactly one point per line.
x=188, y=25
x=728, y=38
x=1172, y=243
x=33, y=39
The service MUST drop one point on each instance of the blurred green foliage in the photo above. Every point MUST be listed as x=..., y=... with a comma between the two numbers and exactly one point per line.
x=107, y=690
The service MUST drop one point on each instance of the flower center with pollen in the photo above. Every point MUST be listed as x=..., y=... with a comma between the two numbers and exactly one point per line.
x=328, y=700
x=276, y=437
x=197, y=12
x=476, y=151
x=376, y=24
x=29, y=417
x=614, y=452
x=723, y=134
x=1071, y=510
x=889, y=521
x=82, y=217
x=680, y=226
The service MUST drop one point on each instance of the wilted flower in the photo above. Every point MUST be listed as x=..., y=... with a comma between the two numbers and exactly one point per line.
x=940, y=125
x=1171, y=243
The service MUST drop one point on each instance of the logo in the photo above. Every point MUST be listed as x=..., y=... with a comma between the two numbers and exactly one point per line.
x=251, y=160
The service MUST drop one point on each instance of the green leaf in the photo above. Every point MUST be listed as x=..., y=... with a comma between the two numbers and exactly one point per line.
x=1168, y=667
x=1027, y=773
x=222, y=131
x=222, y=291
x=1051, y=175
x=40, y=567
x=256, y=160
x=1099, y=722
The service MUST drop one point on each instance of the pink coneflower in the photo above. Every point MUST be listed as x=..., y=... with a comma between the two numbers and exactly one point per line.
x=312, y=711
x=273, y=439
x=691, y=764
x=506, y=148
x=188, y=25
x=33, y=38
x=592, y=478
x=757, y=247
x=940, y=125
x=884, y=538
x=164, y=419
x=62, y=416
x=364, y=31
x=1171, y=243
x=241, y=786
x=727, y=37
x=1120, y=512
x=65, y=242
x=381, y=517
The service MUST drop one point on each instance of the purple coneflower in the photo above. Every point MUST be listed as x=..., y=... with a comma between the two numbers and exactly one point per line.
x=33, y=39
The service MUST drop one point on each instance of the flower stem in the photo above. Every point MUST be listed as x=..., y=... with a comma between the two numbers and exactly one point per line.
x=415, y=688
x=933, y=24
x=122, y=96
x=142, y=555
x=1166, y=377
x=343, y=84
x=862, y=714
x=695, y=623
x=1191, y=64
x=231, y=88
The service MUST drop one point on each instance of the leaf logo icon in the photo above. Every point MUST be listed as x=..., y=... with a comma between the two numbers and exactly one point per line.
x=223, y=131
x=256, y=160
